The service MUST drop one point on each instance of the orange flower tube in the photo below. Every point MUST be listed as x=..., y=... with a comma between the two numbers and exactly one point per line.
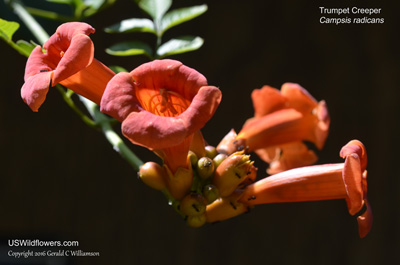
x=346, y=180
x=68, y=60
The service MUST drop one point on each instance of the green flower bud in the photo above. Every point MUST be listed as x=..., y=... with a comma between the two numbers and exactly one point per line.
x=193, y=158
x=193, y=204
x=196, y=221
x=218, y=159
x=210, y=193
x=153, y=175
x=211, y=152
x=205, y=167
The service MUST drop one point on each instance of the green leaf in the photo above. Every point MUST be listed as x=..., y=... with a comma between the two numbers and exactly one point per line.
x=25, y=47
x=95, y=4
x=7, y=29
x=181, y=15
x=68, y=2
x=130, y=48
x=155, y=8
x=132, y=25
x=117, y=69
x=179, y=45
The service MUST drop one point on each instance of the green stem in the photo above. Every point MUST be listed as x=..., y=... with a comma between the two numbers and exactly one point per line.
x=157, y=25
x=48, y=14
x=67, y=98
x=173, y=202
x=117, y=143
x=36, y=29
x=100, y=120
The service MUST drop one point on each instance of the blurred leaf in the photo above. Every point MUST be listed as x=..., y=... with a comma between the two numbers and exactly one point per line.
x=96, y=4
x=25, y=46
x=132, y=25
x=118, y=69
x=68, y=2
x=155, y=8
x=181, y=15
x=7, y=29
x=130, y=48
x=180, y=45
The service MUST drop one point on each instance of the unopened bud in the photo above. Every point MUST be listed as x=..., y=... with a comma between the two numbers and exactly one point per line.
x=231, y=172
x=196, y=221
x=153, y=175
x=211, y=152
x=251, y=176
x=218, y=159
x=179, y=183
x=193, y=204
x=193, y=158
x=205, y=167
x=227, y=146
x=210, y=193
x=225, y=208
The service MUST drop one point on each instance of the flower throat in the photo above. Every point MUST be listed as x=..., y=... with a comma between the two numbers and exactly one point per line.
x=167, y=103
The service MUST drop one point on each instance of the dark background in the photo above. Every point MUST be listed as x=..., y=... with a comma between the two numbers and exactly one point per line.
x=61, y=180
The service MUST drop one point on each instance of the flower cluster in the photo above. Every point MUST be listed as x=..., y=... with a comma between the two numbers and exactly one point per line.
x=162, y=105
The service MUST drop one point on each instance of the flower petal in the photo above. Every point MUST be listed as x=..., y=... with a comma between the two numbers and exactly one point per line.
x=171, y=75
x=323, y=121
x=273, y=129
x=267, y=100
x=38, y=62
x=35, y=89
x=355, y=147
x=60, y=41
x=158, y=132
x=287, y=156
x=203, y=107
x=152, y=131
x=365, y=221
x=298, y=98
x=119, y=98
x=78, y=56
x=352, y=178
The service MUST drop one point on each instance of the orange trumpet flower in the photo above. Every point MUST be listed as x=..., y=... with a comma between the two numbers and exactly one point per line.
x=346, y=180
x=282, y=121
x=161, y=105
x=68, y=60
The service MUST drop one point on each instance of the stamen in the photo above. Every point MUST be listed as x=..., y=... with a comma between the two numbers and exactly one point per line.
x=166, y=105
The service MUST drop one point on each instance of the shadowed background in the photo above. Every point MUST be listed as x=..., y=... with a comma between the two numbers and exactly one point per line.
x=61, y=180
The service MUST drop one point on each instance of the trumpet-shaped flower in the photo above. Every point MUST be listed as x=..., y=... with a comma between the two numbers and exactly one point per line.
x=68, y=60
x=161, y=105
x=346, y=180
x=282, y=120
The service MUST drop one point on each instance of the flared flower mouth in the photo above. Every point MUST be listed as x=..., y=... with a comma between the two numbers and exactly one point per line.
x=161, y=104
x=68, y=52
x=289, y=115
x=282, y=121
